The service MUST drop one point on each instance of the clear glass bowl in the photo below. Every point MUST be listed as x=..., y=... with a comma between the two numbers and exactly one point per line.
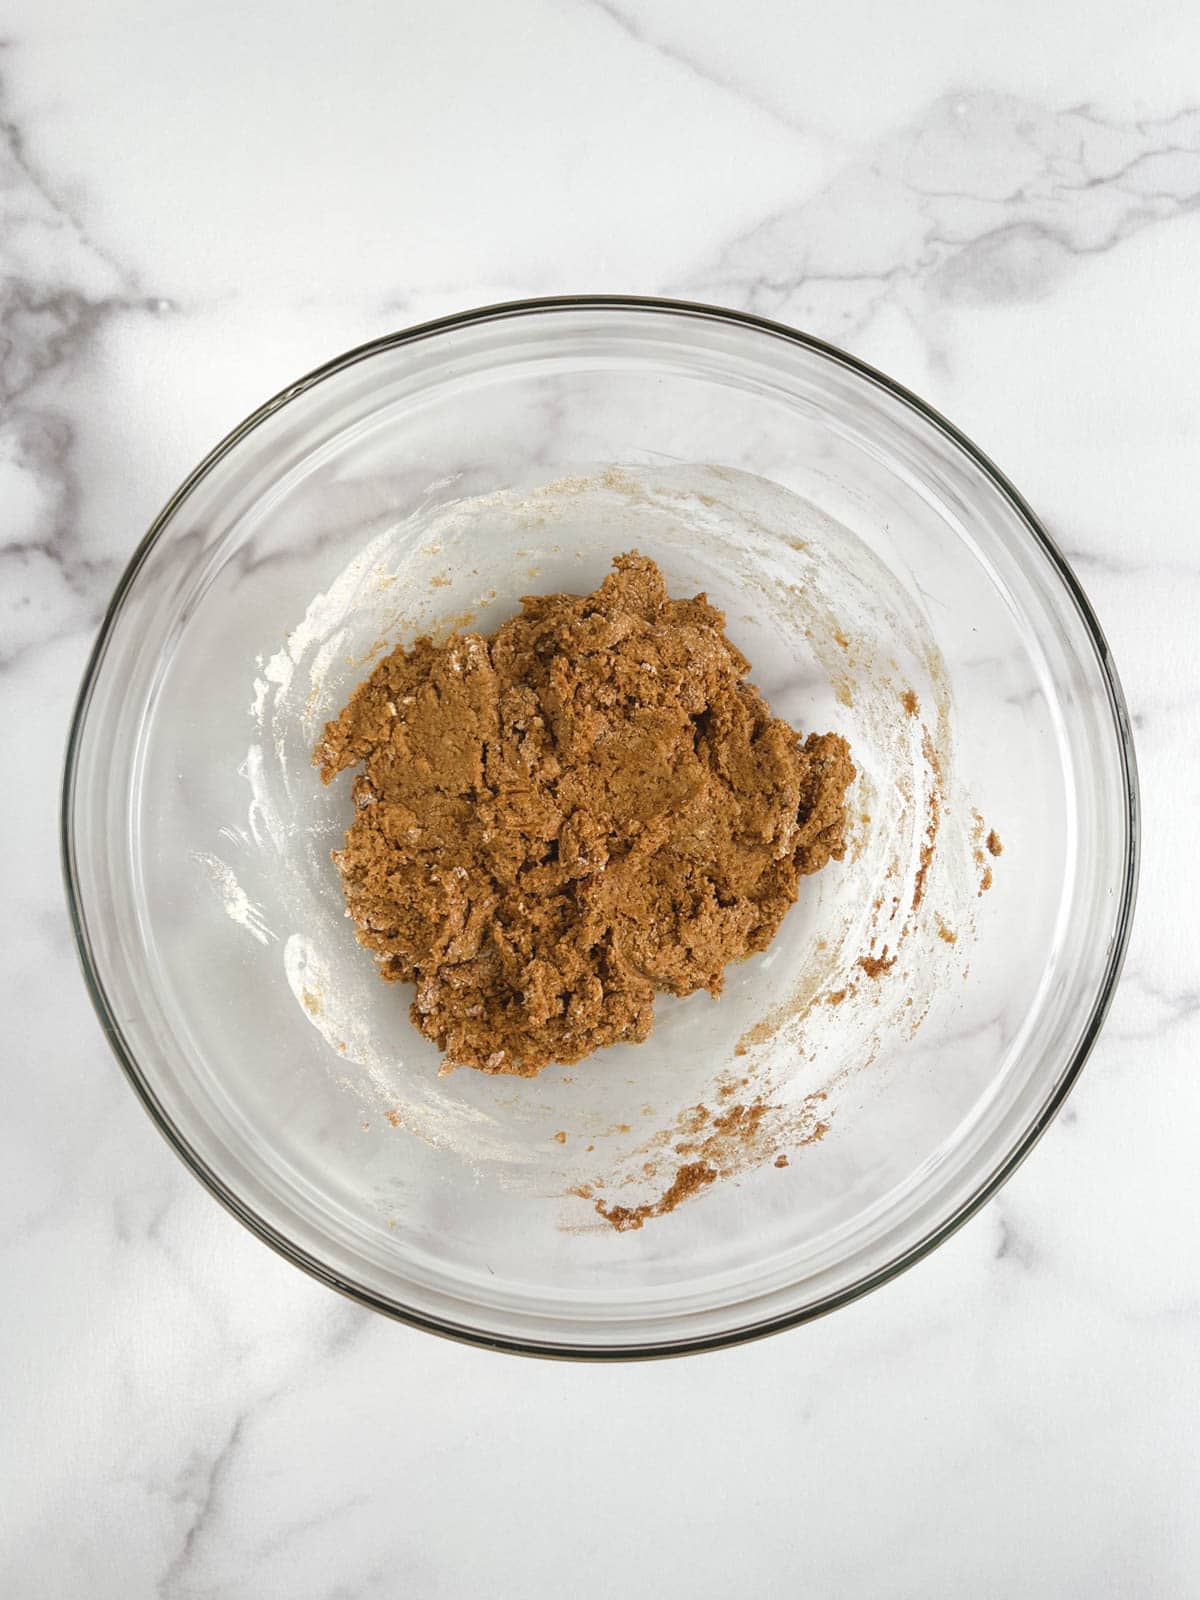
x=926, y=1005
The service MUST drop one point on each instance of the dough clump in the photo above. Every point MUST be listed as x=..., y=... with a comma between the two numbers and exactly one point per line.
x=555, y=823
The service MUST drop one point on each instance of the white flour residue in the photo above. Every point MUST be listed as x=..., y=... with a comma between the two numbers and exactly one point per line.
x=236, y=903
x=342, y=1014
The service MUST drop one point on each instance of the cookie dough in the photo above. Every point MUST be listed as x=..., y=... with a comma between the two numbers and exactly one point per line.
x=555, y=823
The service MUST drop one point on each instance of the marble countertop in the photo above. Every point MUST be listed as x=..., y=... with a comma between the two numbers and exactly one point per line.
x=998, y=206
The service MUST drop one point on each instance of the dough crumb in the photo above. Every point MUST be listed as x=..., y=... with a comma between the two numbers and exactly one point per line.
x=692, y=1176
x=876, y=966
x=589, y=807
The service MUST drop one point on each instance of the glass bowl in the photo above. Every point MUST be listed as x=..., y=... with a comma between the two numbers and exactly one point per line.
x=862, y=1086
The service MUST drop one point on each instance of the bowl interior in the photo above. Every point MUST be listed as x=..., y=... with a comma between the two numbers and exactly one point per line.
x=924, y=1003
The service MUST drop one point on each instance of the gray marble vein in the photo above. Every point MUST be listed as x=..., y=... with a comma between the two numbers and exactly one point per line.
x=202, y=1490
x=985, y=201
x=676, y=50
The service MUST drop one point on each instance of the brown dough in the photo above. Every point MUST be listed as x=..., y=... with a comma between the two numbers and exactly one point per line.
x=556, y=822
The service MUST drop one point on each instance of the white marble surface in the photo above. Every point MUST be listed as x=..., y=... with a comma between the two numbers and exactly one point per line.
x=998, y=205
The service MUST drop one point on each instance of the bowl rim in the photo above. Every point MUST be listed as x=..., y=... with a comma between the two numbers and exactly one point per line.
x=911, y=1254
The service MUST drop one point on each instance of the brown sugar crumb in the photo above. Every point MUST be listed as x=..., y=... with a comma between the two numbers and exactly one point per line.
x=995, y=848
x=734, y=1140
x=933, y=821
x=876, y=966
x=693, y=1175
x=589, y=807
x=740, y=1120
x=560, y=1137
x=910, y=702
x=945, y=933
x=394, y=1117
x=985, y=883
